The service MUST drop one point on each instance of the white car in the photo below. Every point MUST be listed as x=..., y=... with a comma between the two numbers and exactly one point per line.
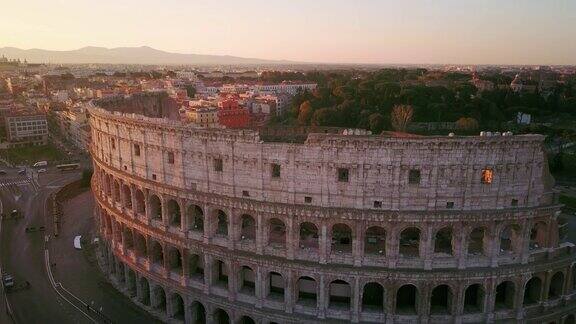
x=41, y=170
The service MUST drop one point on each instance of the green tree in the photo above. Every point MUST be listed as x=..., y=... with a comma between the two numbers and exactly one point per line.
x=305, y=113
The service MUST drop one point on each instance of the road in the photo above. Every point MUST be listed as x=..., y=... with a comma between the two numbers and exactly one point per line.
x=61, y=295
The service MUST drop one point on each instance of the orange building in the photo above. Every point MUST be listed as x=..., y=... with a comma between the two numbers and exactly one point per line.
x=231, y=114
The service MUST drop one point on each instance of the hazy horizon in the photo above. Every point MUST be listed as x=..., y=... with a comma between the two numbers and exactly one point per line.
x=367, y=32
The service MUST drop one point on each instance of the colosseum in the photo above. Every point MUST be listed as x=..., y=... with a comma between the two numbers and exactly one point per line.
x=231, y=226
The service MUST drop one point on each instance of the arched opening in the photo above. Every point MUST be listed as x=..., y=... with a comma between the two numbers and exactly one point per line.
x=533, y=291
x=156, y=253
x=196, y=218
x=375, y=241
x=220, y=274
x=538, y=236
x=509, y=239
x=116, y=191
x=221, y=222
x=340, y=295
x=108, y=185
x=140, y=202
x=131, y=282
x=221, y=317
x=155, y=208
x=505, y=292
x=556, y=285
x=145, y=291
x=308, y=236
x=174, y=217
x=441, y=300
x=141, y=248
x=196, y=267
x=276, y=286
x=127, y=196
x=247, y=279
x=443, y=241
x=246, y=320
x=410, y=242
x=197, y=313
x=120, y=275
x=177, y=311
x=406, y=298
x=175, y=260
x=277, y=233
x=474, y=299
x=128, y=238
x=341, y=239
x=247, y=228
x=307, y=291
x=476, y=241
x=569, y=319
x=373, y=297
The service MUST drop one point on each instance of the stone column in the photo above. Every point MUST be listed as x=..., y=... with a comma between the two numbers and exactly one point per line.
x=323, y=244
x=165, y=216
x=390, y=302
x=358, y=245
x=519, y=302
x=260, y=234
x=427, y=246
x=458, y=302
x=208, y=273
x=289, y=292
x=185, y=267
x=547, y=282
x=259, y=288
x=184, y=222
x=291, y=238
x=490, y=299
x=208, y=220
x=321, y=297
x=494, y=246
x=233, y=231
x=233, y=272
x=525, y=242
x=392, y=245
x=133, y=200
x=423, y=305
x=166, y=260
x=461, y=246
x=355, y=300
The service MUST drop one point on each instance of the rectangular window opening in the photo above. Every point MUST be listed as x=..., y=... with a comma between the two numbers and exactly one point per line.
x=343, y=174
x=308, y=199
x=414, y=176
x=275, y=170
x=218, y=165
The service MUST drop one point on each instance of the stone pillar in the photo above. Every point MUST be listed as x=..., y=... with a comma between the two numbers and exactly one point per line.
x=547, y=282
x=289, y=292
x=208, y=273
x=355, y=300
x=259, y=287
x=260, y=234
x=494, y=246
x=323, y=244
x=423, y=305
x=208, y=220
x=427, y=246
x=461, y=252
x=524, y=250
x=184, y=226
x=519, y=302
x=291, y=238
x=185, y=266
x=233, y=272
x=166, y=260
x=358, y=245
x=165, y=216
x=233, y=230
x=321, y=297
x=133, y=200
x=490, y=300
x=458, y=302
x=390, y=302
x=392, y=247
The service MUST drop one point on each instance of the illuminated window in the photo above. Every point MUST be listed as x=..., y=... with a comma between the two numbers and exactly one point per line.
x=487, y=176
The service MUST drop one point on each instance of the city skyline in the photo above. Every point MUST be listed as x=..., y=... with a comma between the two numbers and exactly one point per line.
x=414, y=32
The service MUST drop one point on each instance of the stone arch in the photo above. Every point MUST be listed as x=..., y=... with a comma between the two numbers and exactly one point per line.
x=509, y=238
x=221, y=221
x=247, y=280
x=276, y=286
x=155, y=207
x=246, y=320
x=177, y=307
x=533, y=291
x=156, y=253
x=197, y=313
x=307, y=291
x=140, y=202
x=174, y=260
x=443, y=241
x=340, y=295
x=221, y=316
x=145, y=291
x=140, y=245
x=556, y=285
x=505, y=295
x=127, y=193
x=476, y=241
x=128, y=238
x=538, y=235
x=276, y=233
x=220, y=273
x=474, y=299
x=407, y=299
x=373, y=297
x=195, y=216
x=410, y=242
x=247, y=228
x=341, y=238
x=375, y=241
x=441, y=300
x=108, y=184
x=131, y=281
x=308, y=236
x=174, y=215
x=196, y=266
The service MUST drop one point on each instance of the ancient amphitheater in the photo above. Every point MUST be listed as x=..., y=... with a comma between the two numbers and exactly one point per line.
x=223, y=226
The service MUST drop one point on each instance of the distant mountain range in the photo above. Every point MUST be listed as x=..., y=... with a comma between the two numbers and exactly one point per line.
x=127, y=55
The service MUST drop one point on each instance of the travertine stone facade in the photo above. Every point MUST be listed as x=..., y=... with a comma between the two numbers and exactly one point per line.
x=218, y=226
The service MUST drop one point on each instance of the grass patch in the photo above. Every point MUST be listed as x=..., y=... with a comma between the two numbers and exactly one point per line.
x=32, y=154
x=568, y=201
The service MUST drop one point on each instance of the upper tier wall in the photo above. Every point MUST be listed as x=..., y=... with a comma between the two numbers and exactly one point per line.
x=378, y=168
